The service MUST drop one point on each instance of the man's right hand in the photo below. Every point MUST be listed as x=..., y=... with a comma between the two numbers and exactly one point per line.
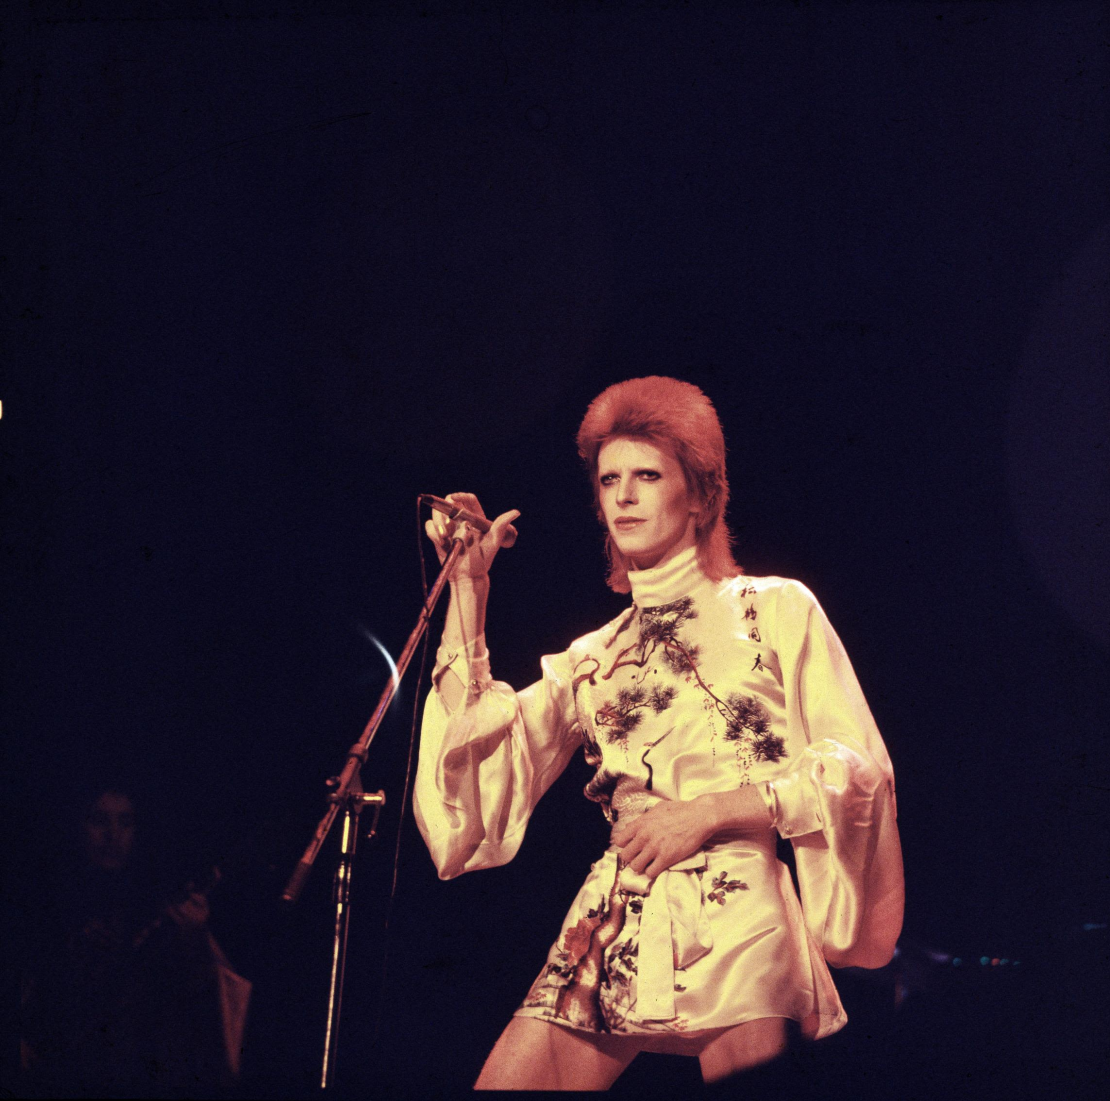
x=478, y=550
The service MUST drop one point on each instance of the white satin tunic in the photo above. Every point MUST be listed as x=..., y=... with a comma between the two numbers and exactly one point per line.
x=699, y=687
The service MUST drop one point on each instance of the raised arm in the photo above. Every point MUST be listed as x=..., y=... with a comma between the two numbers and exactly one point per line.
x=465, y=625
x=487, y=753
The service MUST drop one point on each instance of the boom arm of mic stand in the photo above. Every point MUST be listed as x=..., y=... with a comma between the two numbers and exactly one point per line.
x=356, y=755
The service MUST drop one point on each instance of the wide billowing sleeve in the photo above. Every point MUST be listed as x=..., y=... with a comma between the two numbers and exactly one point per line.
x=836, y=803
x=484, y=765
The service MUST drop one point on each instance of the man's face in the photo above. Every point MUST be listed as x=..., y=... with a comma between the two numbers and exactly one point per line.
x=110, y=832
x=645, y=501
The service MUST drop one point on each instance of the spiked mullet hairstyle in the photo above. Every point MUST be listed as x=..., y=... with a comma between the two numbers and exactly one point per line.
x=678, y=418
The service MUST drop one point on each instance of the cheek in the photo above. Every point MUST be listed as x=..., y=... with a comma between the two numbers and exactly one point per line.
x=678, y=508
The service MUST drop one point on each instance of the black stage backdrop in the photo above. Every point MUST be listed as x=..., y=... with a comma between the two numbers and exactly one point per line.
x=273, y=270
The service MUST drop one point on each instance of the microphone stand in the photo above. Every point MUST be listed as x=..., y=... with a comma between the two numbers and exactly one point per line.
x=347, y=794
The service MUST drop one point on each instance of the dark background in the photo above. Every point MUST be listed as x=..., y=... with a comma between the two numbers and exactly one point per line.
x=272, y=270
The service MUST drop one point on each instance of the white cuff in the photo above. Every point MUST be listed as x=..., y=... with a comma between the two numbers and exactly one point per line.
x=793, y=807
x=470, y=663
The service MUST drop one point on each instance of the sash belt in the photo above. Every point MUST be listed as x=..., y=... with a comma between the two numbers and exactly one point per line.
x=674, y=932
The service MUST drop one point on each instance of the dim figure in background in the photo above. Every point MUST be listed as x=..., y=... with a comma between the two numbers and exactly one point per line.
x=126, y=995
x=717, y=711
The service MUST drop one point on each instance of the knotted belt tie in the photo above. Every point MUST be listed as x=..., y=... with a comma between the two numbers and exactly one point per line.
x=674, y=932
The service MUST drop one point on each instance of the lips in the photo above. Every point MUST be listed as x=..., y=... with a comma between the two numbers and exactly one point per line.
x=626, y=522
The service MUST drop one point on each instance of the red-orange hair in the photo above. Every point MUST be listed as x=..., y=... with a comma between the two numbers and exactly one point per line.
x=678, y=418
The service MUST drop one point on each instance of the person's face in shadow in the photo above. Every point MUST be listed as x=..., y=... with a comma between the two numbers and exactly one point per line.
x=109, y=832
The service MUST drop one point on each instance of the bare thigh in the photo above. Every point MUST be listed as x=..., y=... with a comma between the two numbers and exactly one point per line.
x=744, y=1046
x=533, y=1054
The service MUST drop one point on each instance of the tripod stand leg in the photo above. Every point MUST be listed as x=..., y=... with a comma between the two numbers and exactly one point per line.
x=348, y=845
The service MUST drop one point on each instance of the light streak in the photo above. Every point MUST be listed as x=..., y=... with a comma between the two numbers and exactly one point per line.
x=394, y=675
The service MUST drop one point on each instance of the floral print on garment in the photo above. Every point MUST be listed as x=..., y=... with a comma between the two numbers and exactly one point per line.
x=645, y=676
x=699, y=687
x=589, y=976
x=589, y=981
x=626, y=697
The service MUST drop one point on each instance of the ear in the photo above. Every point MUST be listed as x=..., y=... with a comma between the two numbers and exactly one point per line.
x=702, y=511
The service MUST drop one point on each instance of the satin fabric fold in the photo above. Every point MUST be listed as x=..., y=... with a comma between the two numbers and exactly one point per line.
x=700, y=687
x=674, y=932
x=717, y=940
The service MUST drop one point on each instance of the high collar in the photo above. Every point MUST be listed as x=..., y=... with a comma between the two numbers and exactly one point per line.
x=671, y=581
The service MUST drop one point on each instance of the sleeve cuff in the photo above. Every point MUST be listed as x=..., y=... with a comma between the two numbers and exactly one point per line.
x=470, y=663
x=794, y=810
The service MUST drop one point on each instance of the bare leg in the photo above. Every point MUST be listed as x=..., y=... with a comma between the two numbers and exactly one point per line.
x=742, y=1047
x=533, y=1054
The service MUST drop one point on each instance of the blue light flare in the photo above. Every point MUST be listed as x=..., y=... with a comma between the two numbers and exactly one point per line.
x=394, y=675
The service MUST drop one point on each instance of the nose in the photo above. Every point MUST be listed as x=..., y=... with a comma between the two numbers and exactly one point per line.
x=626, y=491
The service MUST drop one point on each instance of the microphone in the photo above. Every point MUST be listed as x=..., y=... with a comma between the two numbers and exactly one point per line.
x=457, y=512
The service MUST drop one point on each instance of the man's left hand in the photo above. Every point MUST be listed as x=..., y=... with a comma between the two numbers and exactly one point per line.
x=666, y=833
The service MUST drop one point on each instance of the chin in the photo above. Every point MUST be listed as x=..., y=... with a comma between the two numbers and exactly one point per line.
x=639, y=555
x=633, y=548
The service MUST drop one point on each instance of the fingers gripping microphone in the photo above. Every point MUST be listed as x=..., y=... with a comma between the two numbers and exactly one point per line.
x=457, y=512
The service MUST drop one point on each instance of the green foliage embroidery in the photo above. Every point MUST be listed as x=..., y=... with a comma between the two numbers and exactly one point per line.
x=723, y=886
